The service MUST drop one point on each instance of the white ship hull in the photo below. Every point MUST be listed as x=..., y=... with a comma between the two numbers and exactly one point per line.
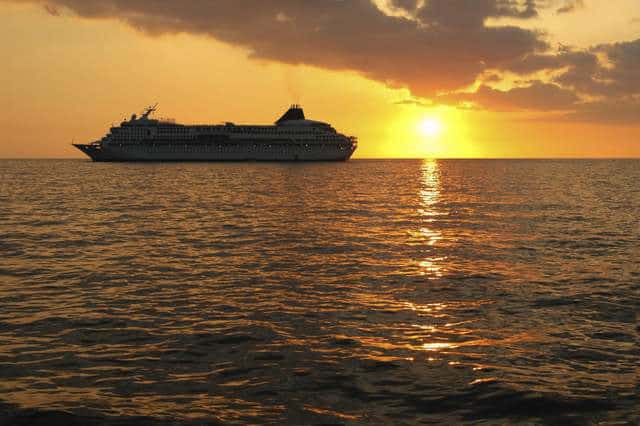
x=186, y=152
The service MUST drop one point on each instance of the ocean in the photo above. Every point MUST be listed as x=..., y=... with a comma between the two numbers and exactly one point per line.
x=365, y=292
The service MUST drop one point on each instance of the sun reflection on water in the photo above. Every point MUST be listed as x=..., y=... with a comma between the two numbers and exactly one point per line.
x=438, y=346
x=432, y=265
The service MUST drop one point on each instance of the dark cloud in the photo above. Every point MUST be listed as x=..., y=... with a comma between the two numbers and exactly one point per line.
x=570, y=6
x=536, y=96
x=601, y=84
x=534, y=62
x=607, y=70
x=470, y=15
x=490, y=77
x=445, y=47
x=51, y=10
x=436, y=48
x=622, y=111
x=623, y=70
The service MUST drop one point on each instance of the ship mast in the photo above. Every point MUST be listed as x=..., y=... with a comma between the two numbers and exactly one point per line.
x=149, y=111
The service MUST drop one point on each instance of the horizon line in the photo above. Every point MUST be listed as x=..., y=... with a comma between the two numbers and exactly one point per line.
x=352, y=159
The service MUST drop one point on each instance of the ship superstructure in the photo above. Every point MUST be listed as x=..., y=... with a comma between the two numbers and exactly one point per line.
x=291, y=138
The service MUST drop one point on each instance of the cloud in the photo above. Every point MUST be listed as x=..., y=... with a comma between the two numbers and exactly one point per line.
x=407, y=6
x=623, y=68
x=52, y=10
x=603, y=79
x=607, y=70
x=570, y=6
x=535, y=96
x=416, y=102
x=624, y=111
x=445, y=47
x=435, y=48
x=470, y=15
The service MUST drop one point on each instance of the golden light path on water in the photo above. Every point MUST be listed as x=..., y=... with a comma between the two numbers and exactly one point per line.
x=432, y=266
x=373, y=292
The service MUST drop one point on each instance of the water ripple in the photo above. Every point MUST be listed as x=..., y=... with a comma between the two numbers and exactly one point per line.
x=369, y=292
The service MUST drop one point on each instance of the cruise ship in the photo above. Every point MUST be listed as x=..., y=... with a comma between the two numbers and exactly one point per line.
x=292, y=138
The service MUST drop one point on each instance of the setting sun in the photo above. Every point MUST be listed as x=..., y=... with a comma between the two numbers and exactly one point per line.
x=430, y=127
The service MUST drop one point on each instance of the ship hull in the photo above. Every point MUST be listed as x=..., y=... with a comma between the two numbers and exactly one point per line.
x=191, y=152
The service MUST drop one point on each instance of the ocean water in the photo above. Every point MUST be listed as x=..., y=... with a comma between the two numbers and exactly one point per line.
x=365, y=292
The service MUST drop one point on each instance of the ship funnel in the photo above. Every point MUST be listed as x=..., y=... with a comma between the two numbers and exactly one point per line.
x=294, y=112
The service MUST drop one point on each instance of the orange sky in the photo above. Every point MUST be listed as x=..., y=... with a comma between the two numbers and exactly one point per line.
x=67, y=77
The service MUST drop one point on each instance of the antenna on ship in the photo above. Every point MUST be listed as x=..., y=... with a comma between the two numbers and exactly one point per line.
x=149, y=111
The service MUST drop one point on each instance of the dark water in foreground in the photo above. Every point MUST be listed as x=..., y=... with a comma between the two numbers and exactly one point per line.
x=367, y=292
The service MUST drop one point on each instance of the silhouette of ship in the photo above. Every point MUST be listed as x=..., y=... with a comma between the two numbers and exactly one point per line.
x=291, y=138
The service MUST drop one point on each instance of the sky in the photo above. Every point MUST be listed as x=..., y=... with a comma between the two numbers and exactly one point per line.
x=409, y=78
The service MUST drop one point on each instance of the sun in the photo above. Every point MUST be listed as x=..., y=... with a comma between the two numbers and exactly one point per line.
x=430, y=127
